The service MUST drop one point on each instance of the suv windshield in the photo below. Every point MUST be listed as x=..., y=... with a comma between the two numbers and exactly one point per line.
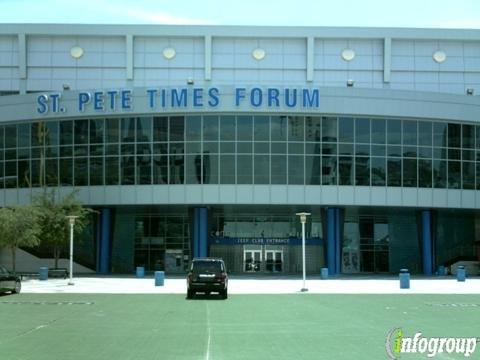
x=207, y=266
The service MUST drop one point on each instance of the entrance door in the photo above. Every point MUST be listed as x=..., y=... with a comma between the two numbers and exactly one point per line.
x=274, y=260
x=252, y=260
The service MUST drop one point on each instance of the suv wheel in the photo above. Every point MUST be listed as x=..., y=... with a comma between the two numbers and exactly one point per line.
x=224, y=294
x=18, y=287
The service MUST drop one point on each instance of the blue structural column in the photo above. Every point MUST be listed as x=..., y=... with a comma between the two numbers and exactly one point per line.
x=334, y=243
x=200, y=232
x=427, y=248
x=104, y=247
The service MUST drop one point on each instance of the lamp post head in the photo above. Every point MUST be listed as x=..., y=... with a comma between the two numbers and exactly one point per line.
x=71, y=219
x=303, y=216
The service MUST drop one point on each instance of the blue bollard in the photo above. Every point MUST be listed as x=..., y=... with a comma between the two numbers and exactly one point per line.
x=140, y=271
x=324, y=273
x=441, y=270
x=159, y=278
x=461, y=273
x=43, y=273
x=404, y=279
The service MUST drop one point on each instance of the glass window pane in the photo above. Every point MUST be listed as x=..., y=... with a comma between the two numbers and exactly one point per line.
x=440, y=134
x=177, y=128
x=296, y=128
x=362, y=171
x=379, y=171
x=160, y=128
x=96, y=171
x=362, y=131
x=329, y=170
x=345, y=149
x=424, y=133
x=468, y=175
x=410, y=172
x=81, y=172
x=128, y=130
x=193, y=126
x=312, y=128
x=227, y=169
x=295, y=170
x=144, y=169
x=160, y=169
x=193, y=168
x=245, y=169
x=144, y=129
x=454, y=135
x=454, y=174
x=176, y=169
x=111, y=171
x=345, y=169
x=394, y=132
x=210, y=128
x=210, y=168
x=279, y=169
x=66, y=172
x=345, y=130
x=244, y=128
x=278, y=128
x=227, y=128
x=329, y=129
x=81, y=131
x=394, y=174
x=10, y=136
x=23, y=135
x=11, y=174
x=312, y=170
x=261, y=169
x=96, y=131
x=112, y=133
x=425, y=173
x=378, y=131
x=38, y=178
x=439, y=174
x=468, y=136
x=127, y=170
x=409, y=132
x=261, y=128
x=24, y=173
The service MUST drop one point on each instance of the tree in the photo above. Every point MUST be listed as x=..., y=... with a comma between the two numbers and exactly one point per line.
x=19, y=227
x=54, y=225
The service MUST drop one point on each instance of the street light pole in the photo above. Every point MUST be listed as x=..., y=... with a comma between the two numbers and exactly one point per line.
x=71, y=220
x=303, y=220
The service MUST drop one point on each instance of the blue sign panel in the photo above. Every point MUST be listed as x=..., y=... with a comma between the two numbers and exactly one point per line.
x=292, y=241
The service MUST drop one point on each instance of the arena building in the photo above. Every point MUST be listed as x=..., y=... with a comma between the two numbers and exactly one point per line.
x=207, y=140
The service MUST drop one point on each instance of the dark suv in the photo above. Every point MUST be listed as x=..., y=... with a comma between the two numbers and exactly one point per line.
x=207, y=275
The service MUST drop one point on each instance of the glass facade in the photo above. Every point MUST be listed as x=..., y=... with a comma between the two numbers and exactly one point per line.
x=228, y=149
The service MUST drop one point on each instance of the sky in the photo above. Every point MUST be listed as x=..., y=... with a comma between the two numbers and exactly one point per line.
x=365, y=13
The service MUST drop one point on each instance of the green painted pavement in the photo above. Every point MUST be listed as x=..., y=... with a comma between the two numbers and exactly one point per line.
x=302, y=326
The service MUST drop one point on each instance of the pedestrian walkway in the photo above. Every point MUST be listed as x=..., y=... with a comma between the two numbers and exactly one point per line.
x=242, y=285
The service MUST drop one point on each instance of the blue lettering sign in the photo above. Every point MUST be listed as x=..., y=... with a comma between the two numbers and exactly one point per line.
x=179, y=100
x=126, y=98
x=55, y=102
x=83, y=99
x=256, y=97
x=213, y=95
x=273, y=95
x=311, y=99
x=151, y=97
x=98, y=104
x=112, y=99
x=291, y=101
x=197, y=97
x=239, y=94
x=42, y=102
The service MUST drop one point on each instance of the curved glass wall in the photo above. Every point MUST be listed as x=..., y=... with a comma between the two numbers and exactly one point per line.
x=229, y=149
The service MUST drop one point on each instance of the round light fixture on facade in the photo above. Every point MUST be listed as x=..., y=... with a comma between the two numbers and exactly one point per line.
x=348, y=54
x=258, y=54
x=439, y=56
x=76, y=52
x=169, y=53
